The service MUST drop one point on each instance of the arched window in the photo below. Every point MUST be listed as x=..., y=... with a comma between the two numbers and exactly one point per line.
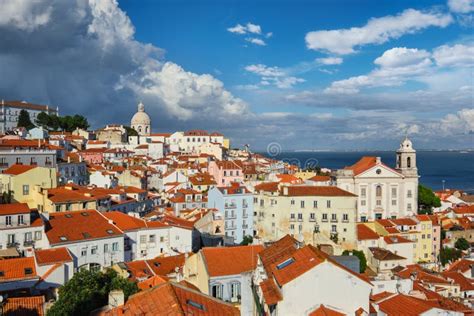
x=409, y=162
x=139, y=129
x=378, y=191
x=146, y=129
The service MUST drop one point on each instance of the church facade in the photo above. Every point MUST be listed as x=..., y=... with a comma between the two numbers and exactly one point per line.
x=383, y=192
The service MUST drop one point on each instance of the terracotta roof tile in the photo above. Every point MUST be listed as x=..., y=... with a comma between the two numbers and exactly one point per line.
x=222, y=261
x=66, y=227
x=23, y=306
x=17, y=269
x=15, y=208
x=54, y=255
x=18, y=169
x=365, y=233
x=271, y=293
x=312, y=190
x=325, y=311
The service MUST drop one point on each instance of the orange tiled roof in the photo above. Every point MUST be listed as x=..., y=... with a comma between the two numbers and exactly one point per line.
x=394, y=239
x=462, y=265
x=18, y=169
x=324, y=311
x=403, y=221
x=364, y=164
x=173, y=299
x=14, y=208
x=124, y=221
x=166, y=265
x=152, y=282
x=318, y=178
x=459, y=278
x=17, y=269
x=73, y=226
x=54, y=255
x=401, y=304
x=365, y=233
x=267, y=187
x=271, y=293
x=222, y=261
x=23, y=306
x=380, y=296
x=278, y=250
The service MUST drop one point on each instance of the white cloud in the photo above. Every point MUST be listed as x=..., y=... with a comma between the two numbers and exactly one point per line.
x=376, y=31
x=329, y=60
x=276, y=76
x=399, y=64
x=402, y=57
x=244, y=29
x=26, y=15
x=461, y=6
x=456, y=55
x=256, y=41
x=461, y=122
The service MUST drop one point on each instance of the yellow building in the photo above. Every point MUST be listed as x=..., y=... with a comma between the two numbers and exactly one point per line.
x=315, y=214
x=22, y=180
x=425, y=238
x=305, y=175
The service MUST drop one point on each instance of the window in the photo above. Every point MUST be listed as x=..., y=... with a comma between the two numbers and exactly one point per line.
x=83, y=252
x=300, y=216
x=143, y=239
x=409, y=206
x=26, y=189
x=345, y=217
x=292, y=216
x=106, y=248
x=115, y=246
x=28, y=236
x=38, y=235
x=195, y=304
x=363, y=192
x=363, y=218
x=292, y=227
x=409, y=194
x=8, y=220
x=292, y=202
x=333, y=228
x=235, y=290
x=162, y=239
x=285, y=263
x=333, y=217
x=328, y=203
x=394, y=192
x=378, y=191
x=217, y=290
x=152, y=238
x=20, y=220
x=394, y=202
x=315, y=204
x=11, y=238
x=302, y=204
x=409, y=162
x=312, y=217
x=94, y=250
x=325, y=217
x=362, y=203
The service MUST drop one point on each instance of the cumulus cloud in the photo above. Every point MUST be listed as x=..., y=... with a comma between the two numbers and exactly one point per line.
x=83, y=58
x=399, y=64
x=376, y=31
x=25, y=15
x=461, y=122
x=461, y=6
x=457, y=55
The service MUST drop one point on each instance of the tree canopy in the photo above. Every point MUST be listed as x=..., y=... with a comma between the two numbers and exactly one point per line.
x=247, y=240
x=24, y=120
x=447, y=254
x=88, y=290
x=427, y=200
x=461, y=244
x=131, y=131
x=362, y=259
x=66, y=123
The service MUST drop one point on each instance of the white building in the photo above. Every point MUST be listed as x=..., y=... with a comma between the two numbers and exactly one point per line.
x=10, y=113
x=91, y=239
x=383, y=192
x=141, y=121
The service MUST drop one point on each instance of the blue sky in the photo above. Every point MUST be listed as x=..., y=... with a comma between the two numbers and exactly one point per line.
x=318, y=74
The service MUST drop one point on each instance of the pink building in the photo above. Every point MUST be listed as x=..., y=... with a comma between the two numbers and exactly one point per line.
x=93, y=155
x=225, y=172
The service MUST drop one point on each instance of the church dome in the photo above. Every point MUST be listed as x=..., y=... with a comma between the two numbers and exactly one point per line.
x=141, y=118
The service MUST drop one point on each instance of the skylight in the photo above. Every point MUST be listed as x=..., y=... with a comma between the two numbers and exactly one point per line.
x=195, y=304
x=85, y=214
x=68, y=215
x=63, y=238
x=110, y=231
x=285, y=263
x=86, y=235
x=28, y=271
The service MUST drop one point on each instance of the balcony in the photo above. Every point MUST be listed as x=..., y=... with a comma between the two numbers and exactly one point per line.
x=245, y=226
x=345, y=220
x=12, y=244
x=333, y=220
x=312, y=219
x=231, y=205
x=29, y=243
x=230, y=227
x=231, y=216
x=324, y=220
x=292, y=219
x=300, y=219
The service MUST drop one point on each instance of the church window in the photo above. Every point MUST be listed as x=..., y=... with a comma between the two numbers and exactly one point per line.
x=378, y=191
x=409, y=162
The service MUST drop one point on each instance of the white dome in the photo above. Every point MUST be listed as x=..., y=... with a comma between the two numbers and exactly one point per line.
x=141, y=118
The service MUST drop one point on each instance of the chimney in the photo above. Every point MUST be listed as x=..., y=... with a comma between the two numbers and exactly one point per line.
x=116, y=298
x=378, y=161
x=285, y=190
x=68, y=159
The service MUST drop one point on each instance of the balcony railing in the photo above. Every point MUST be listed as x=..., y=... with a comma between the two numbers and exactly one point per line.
x=324, y=220
x=292, y=219
x=333, y=220
x=230, y=205
x=28, y=243
x=12, y=244
x=312, y=219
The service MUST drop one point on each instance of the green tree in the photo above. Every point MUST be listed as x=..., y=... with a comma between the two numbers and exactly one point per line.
x=362, y=259
x=427, y=200
x=70, y=123
x=24, y=120
x=43, y=120
x=89, y=290
x=131, y=131
x=461, y=244
x=449, y=254
x=247, y=240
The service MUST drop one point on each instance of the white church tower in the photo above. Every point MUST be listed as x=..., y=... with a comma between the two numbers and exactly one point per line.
x=406, y=159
